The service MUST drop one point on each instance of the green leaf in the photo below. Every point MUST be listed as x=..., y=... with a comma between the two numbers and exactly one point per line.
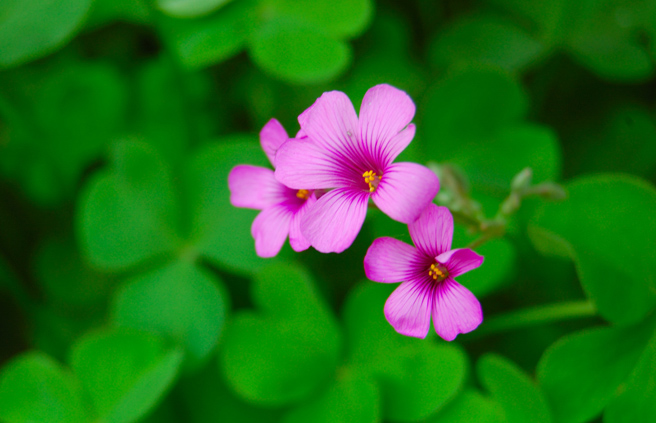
x=286, y=350
x=635, y=402
x=298, y=53
x=65, y=114
x=605, y=38
x=125, y=373
x=220, y=231
x=608, y=223
x=34, y=388
x=352, y=398
x=492, y=162
x=468, y=407
x=417, y=381
x=66, y=279
x=189, y=8
x=470, y=105
x=180, y=302
x=211, y=39
x=624, y=141
x=128, y=212
x=174, y=108
x=416, y=378
x=385, y=66
x=339, y=18
x=106, y=11
x=207, y=399
x=519, y=397
x=551, y=17
x=485, y=40
x=30, y=29
x=581, y=372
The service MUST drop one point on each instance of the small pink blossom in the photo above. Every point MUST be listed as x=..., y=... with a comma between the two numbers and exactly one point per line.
x=427, y=272
x=355, y=157
x=282, y=208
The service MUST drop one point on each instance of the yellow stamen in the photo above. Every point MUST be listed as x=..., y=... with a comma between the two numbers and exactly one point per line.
x=372, y=179
x=438, y=272
x=303, y=194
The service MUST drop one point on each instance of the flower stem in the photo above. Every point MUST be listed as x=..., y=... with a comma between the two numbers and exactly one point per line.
x=534, y=316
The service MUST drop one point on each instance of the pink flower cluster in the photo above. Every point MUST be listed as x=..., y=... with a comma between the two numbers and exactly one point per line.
x=319, y=193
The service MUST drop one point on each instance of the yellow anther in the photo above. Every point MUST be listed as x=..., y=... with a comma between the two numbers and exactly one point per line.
x=372, y=179
x=303, y=194
x=438, y=272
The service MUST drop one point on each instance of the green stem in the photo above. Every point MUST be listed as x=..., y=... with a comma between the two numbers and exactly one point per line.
x=534, y=316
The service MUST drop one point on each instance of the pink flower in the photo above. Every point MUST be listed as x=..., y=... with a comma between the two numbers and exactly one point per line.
x=428, y=273
x=282, y=208
x=355, y=157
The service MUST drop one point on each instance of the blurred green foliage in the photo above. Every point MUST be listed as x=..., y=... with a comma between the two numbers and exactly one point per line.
x=129, y=286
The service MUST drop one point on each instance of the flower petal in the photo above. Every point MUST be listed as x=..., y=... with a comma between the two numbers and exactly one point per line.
x=272, y=136
x=390, y=260
x=270, y=229
x=408, y=309
x=460, y=261
x=397, y=144
x=405, y=190
x=432, y=232
x=301, y=164
x=296, y=238
x=332, y=124
x=254, y=187
x=332, y=224
x=455, y=310
x=303, y=116
x=384, y=112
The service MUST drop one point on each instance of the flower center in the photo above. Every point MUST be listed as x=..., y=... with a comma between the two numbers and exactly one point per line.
x=438, y=272
x=303, y=194
x=372, y=179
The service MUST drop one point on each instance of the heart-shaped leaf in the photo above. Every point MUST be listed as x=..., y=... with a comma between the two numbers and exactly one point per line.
x=125, y=373
x=30, y=29
x=635, y=402
x=470, y=406
x=491, y=98
x=521, y=400
x=286, y=350
x=128, y=213
x=339, y=18
x=580, y=373
x=210, y=39
x=486, y=40
x=352, y=398
x=607, y=227
x=416, y=378
x=299, y=53
x=220, y=231
x=34, y=388
x=180, y=302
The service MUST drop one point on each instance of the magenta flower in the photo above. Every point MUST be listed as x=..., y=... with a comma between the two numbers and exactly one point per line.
x=282, y=208
x=427, y=273
x=355, y=157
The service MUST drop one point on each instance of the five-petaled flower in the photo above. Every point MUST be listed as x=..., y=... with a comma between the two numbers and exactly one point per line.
x=355, y=157
x=282, y=208
x=427, y=273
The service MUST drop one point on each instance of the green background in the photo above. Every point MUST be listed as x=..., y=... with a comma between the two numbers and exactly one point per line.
x=129, y=286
